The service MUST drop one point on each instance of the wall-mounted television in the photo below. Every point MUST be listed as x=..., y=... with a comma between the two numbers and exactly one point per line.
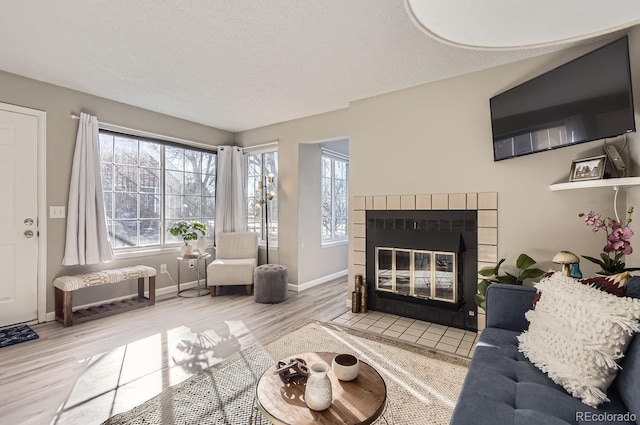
x=589, y=98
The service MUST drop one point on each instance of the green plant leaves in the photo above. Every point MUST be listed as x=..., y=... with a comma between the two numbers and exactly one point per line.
x=524, y=261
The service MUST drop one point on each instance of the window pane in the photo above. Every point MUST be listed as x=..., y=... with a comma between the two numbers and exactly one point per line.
x=191, y=207
x=208, y=184
x=126, y=178
x=209, y=207
x=150, y=155
x=149, y=180
x=149, y=206
x=149, y=232
x=192, y=161
x=125, y=234
x=174, y=158
x=106, y=147
x=125, y=151
x=106, y=174
x=126, y=205
x=192, y=184
x=209, y=163
x=108, y=204
x=173, y=182
x=422, y=274
x=173, y=207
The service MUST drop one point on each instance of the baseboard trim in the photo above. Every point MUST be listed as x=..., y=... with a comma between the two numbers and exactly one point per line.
x=319, y=281
x=164, y=292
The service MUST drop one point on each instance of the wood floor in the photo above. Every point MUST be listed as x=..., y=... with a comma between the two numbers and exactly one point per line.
x=86, y=373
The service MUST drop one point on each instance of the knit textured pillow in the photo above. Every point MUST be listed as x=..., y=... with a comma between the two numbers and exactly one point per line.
x=577, y=334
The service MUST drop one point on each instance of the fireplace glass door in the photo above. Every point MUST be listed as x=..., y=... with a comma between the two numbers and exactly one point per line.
x=417, y=273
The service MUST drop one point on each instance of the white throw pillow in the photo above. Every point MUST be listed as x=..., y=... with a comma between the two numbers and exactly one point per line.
x=577, y=334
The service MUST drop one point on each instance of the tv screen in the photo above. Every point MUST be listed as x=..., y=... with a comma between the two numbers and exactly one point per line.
x=587, y=99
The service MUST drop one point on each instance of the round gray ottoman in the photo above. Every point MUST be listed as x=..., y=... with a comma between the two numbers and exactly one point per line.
x=270, y=283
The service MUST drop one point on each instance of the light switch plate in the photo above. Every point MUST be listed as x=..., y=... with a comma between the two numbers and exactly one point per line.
x=57, y=212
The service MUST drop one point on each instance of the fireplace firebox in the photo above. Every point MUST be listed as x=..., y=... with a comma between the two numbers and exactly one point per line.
x=423, y=265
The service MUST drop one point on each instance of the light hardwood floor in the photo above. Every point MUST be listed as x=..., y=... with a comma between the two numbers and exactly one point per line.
x=88, y=372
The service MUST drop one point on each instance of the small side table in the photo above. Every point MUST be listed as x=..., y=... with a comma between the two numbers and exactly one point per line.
x=200, y=275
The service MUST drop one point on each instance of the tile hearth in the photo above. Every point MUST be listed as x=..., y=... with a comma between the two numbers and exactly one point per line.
x=425, y=334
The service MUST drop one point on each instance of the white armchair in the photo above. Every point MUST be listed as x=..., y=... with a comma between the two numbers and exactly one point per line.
x=236, y=258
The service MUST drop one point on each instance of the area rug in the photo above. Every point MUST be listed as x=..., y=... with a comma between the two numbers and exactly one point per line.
x=16, y=335
x=422, y=385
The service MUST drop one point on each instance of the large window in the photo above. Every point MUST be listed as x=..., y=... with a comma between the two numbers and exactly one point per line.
x=259, y=207
x=148, y=184
x=335, y=178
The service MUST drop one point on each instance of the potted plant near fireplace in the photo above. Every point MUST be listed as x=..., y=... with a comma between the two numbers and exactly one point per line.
x=492, y=275
x=188, y=231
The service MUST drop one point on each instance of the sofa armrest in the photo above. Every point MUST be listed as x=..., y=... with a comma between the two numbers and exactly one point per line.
x=507, y=304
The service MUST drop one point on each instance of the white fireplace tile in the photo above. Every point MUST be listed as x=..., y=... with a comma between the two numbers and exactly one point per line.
x=379, y=202
x=408, y=338
x=472, y=201
x=446, y=347
x=457, y=201
x=359, y=244
x=359, y=216
x=393, y=202
x=423, y=202
x=440, y=201
x=359, y=203
x=408, y=202
x=415, y=332
x=481, y=322
x=359, y=231
x=488, y=218
x=431, y=337
x=488, y=201
x=368, y=202
x=462, y=351
x=427, y=343
x=391, y=333
x=487, y=254
x=359, y=258
x=487, y=236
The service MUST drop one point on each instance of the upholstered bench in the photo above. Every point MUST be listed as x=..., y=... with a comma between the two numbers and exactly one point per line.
x=270, y=283
x=65, y=285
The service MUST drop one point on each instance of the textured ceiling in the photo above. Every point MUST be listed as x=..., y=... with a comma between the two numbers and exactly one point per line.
x=234, y=65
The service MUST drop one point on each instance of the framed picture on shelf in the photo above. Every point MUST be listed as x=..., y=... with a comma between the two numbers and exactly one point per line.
x=588, y=168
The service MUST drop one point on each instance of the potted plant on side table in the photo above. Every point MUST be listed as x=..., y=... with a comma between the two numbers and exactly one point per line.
x=188, y=231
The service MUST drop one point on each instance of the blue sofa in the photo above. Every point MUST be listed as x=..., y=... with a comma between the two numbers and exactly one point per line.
x=503, y=388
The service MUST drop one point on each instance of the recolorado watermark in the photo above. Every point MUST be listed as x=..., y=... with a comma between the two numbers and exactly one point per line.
x=605, y=417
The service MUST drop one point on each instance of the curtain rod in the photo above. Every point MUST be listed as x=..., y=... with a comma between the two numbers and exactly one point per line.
x=142, y=133
x=263, y=145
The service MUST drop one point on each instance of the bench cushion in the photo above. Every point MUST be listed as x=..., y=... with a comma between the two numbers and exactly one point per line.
x=104, y=277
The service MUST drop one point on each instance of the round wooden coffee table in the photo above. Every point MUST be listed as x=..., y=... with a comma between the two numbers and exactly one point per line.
x=360, y=401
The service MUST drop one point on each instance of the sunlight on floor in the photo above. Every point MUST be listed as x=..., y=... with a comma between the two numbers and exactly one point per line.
x=123, y=378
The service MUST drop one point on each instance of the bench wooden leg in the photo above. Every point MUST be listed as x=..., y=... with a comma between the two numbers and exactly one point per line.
x=212, y=291
x=152, y=289
x=249, y=289
x=63, y=307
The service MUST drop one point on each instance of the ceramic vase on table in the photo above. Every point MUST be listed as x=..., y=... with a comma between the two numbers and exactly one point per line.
x=318, y=394
x=186, y=249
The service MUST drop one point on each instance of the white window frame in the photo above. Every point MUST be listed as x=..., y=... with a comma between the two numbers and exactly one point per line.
x=165, y=245
x=333, y=239
x=251, y=192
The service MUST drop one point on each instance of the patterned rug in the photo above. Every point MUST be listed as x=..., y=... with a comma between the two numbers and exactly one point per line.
x=422, y=385
x=16, y=335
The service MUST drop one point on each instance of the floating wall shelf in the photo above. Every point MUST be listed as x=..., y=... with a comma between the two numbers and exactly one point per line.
x=614, y=183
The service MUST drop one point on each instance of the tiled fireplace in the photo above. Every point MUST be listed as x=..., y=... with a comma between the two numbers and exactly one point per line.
x=420, y=253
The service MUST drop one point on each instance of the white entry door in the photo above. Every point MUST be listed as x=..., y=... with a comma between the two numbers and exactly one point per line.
x=18, y=217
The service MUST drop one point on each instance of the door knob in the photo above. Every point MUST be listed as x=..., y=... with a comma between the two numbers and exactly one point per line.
x=28, y=221
x=28, y=234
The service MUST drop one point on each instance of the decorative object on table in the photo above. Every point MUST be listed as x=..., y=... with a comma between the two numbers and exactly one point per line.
x=566, y=258
x=318, y=394
x=267, y=194
x=345, y=367
x=491, y=275
x=188, y=231
x=575, y=272
x=294, y=371
x=588, y=168
x=16, y=335
x=618, y=244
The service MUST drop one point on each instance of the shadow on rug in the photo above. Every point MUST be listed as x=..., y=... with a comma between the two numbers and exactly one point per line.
x=422, y=386
x=16, y=335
